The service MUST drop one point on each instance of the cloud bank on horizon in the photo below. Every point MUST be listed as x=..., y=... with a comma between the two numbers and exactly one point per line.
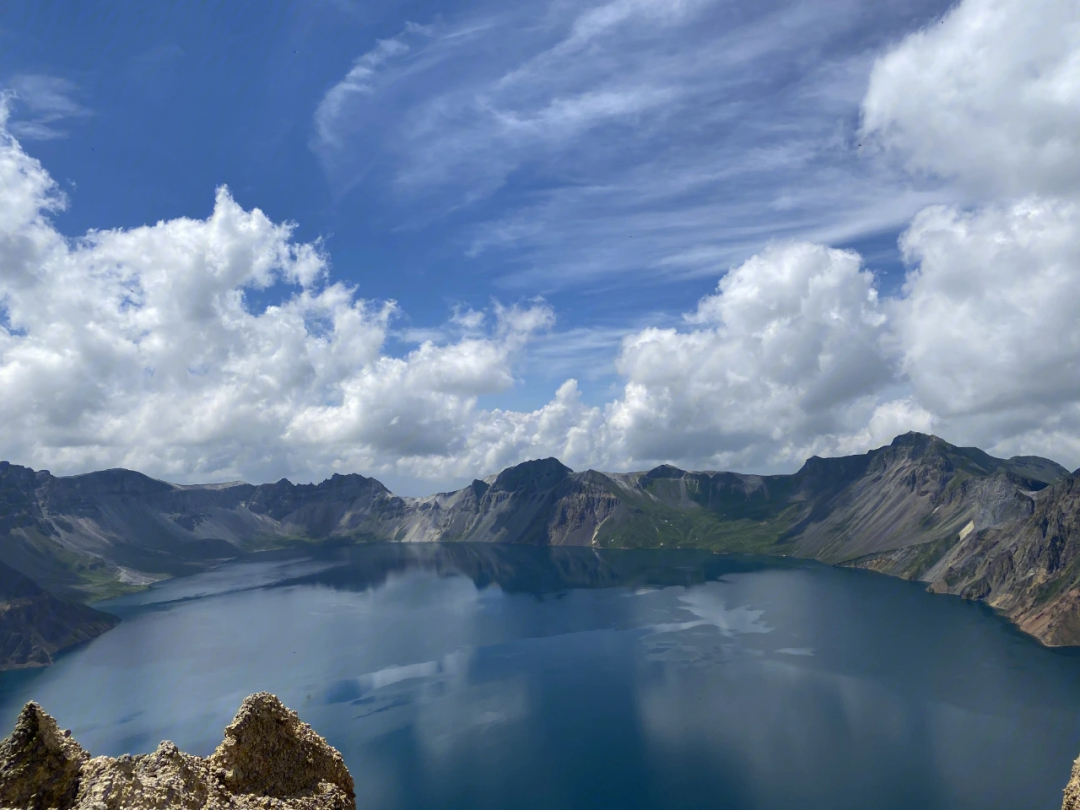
x=145, y=347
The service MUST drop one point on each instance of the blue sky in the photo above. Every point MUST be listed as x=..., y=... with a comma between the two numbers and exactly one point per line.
x=608, y=161
x=619, y=216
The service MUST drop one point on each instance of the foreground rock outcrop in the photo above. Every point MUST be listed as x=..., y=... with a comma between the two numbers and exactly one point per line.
x=268, y=759
x=1072, y=790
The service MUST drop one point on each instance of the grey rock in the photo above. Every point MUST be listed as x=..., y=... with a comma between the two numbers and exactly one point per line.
x=269, y=759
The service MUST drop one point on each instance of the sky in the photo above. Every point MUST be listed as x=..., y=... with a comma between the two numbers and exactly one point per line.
x=425, y=242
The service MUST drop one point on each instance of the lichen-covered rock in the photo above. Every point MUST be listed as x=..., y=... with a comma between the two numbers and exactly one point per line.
x=166, y=778
x=1072, y=790
x=269, y=759
x=39, y=765
x=267, y=750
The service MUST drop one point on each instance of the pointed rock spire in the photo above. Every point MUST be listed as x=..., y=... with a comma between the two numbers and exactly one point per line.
x=269, y=759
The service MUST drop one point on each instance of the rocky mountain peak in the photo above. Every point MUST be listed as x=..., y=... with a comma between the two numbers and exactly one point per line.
x=919, y=441
x=115, y=482
x=538, y=474
x=16, y=475
x=663, y=471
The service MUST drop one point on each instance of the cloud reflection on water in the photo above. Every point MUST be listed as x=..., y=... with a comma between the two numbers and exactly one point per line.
x=489, y=677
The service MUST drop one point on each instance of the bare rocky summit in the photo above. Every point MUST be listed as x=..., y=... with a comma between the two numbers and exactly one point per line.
x=268, y=759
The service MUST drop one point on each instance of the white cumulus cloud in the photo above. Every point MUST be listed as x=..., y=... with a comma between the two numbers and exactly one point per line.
x=987, y=323
x=140, y=348
x=786, y=351
x=988, y=95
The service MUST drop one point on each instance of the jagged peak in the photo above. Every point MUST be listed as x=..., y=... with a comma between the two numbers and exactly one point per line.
x=269, y=751
x=268, y=758
x=664, y=471
x=351, y=482
x=5, y=466
x=40, y=763
x=19, y=475
x=1038, y=471
x=338, y=482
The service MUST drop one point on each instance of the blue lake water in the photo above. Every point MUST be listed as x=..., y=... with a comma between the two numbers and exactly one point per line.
x=503, y=676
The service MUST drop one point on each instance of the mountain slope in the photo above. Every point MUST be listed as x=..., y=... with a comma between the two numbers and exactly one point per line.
x=35, y=624
x=104, y=533
x=1028, y=568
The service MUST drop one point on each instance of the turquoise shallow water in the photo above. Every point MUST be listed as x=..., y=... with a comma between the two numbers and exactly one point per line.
x=495, y=677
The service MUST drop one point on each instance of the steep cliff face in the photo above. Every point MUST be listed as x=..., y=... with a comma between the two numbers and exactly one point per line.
x=268, y=759
x=1027, y=567
x=516, y=506
x=34, y=624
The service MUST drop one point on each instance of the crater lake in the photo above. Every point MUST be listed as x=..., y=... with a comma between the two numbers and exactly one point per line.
x=485, y=676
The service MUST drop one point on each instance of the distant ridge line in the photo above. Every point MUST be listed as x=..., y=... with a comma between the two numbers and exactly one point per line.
x=956, y=518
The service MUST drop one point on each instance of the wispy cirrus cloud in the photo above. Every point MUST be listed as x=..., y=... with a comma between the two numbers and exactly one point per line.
x=628, y=139
x=41, y=104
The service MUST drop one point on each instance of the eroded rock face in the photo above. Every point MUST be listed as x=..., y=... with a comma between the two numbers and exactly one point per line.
x=1072, y=790
x=268, y=750
x=269, y=759
x=39, y=765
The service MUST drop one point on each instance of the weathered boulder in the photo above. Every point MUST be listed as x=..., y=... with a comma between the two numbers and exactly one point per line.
x=269, y=759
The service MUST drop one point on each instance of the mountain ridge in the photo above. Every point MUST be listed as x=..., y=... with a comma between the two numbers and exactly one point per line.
x=957, y=518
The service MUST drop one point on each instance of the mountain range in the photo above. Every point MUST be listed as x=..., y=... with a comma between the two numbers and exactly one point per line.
x=1006, y=531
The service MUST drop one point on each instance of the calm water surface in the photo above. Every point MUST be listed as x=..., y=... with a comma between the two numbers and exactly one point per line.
x=498, y=677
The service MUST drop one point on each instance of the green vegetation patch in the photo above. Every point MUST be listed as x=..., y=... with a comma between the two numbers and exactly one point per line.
x=925, y=556
x=643, y=523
